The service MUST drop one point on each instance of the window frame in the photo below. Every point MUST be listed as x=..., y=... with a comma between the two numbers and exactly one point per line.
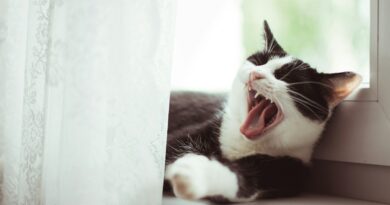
x=369, y=91
x=359, y=131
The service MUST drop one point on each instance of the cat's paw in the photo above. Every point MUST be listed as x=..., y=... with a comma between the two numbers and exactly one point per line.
x=188, y=176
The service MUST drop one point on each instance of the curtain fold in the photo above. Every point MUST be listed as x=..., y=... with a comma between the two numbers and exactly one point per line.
x=84, y=91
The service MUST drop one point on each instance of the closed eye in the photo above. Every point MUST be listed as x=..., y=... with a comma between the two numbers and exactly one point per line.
x=283, y=72
x=287, y=70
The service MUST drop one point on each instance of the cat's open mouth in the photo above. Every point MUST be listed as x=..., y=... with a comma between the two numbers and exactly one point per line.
x=262, y=116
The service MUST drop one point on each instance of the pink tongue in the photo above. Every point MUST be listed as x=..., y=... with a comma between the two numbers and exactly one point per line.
x=255, y=122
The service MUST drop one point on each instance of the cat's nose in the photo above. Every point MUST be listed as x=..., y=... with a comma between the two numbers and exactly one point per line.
x=255, y=76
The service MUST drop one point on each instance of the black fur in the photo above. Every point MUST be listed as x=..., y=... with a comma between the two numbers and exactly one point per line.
x=310, y=85
x=195, y=119
x=277, y=176
x=302, y=78
x=307, y=82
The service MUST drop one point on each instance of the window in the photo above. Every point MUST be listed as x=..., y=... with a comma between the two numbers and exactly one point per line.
x=213, y=38
x=331, y=35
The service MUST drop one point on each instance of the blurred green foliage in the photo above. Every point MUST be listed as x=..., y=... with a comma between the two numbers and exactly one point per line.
x=312, y=29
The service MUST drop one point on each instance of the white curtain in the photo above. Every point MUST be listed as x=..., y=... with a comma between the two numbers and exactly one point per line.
x=84, y=91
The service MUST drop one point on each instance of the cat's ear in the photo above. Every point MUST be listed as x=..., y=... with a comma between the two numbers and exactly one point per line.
x=342, y=85
x=270, y=43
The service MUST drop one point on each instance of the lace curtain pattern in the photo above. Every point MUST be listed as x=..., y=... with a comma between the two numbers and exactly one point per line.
x=84, y=91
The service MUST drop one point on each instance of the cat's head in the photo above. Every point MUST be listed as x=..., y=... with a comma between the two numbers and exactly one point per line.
x=281, y=100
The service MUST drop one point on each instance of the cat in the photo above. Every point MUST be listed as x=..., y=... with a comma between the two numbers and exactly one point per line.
x=257, y=141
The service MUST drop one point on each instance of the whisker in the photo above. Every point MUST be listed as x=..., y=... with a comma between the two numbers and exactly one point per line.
x=308, y=104
x=309, y=101
x=311, y=82
x=295, y=68
x=309, y=110
x=299, y=101
x=311, y=105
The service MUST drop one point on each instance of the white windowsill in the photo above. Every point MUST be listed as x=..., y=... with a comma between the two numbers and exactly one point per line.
x=306, y=199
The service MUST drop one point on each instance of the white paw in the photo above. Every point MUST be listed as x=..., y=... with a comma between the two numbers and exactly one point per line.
x=188, y=176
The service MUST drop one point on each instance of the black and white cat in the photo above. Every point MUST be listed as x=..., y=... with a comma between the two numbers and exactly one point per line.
x=258, y=142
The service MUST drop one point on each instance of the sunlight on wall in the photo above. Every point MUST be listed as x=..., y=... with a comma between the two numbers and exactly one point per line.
x=208, y=47
x=213, y=37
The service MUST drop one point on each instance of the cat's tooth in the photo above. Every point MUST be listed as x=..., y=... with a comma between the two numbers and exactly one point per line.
x=257, y=94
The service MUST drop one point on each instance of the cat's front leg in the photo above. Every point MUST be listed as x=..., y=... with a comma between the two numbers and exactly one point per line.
x=196, y=176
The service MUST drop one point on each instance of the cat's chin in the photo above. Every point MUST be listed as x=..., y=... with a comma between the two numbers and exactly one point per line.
x=263, y=115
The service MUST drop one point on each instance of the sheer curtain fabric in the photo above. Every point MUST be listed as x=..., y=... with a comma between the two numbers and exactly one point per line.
x=84, y=91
